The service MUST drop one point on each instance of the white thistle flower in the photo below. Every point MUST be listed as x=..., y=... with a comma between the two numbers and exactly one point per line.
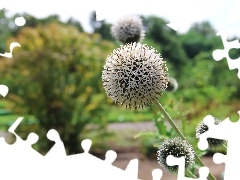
x=128, y=29
x=178, y=148
x=134, y=75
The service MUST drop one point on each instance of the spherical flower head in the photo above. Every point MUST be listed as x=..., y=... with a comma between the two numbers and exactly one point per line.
x=128, y=29
x=178, y=148
x=172, y=85
x=134, y=75
x=212, y=142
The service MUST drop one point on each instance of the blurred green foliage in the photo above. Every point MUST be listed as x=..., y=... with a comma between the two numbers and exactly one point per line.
x=56, y=76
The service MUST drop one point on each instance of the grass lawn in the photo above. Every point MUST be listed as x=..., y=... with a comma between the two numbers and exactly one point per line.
x=115, y=114
x=120, y=114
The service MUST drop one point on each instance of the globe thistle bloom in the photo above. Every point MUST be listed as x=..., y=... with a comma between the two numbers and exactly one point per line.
x=134, y=75
x=128, y=29
x=178, y=148
x=212, y=142
x=172, y=85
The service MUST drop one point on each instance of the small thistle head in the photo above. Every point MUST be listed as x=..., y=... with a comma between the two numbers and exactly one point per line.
x=178, y=148
x=212, y=142
x=172, y=85
x=128, y=29
x=134, y=75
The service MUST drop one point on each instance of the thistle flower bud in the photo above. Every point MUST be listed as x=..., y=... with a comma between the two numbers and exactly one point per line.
x=172, y=85
x=178, y=148
x=128, y=29
x=213, y=143
x=134, y=75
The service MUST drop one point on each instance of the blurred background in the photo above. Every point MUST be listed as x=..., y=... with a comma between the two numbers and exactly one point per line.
x=54, y=78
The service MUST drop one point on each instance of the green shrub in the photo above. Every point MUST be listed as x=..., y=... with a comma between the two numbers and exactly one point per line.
x=56, y=76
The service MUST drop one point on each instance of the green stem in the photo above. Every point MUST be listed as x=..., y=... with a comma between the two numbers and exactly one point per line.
x=225, y=147
x=174, y=126
x=190, y=174
x=156, y=123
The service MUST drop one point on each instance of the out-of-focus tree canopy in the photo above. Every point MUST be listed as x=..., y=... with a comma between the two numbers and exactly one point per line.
x=56, y=76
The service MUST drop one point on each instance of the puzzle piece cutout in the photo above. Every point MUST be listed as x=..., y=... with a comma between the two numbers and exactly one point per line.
x=12, y=46
x=224, y=53
x=157, y=174
x=21, y=158
x=3, y=90
x=180, y=162
x=19, y=21
x=13, y=156
x=24, y=147
x=99, y=15
x=229, y=131
x=58, y=149
x=173, y=25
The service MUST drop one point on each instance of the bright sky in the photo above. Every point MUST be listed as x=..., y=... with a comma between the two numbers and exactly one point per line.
x=222, y=14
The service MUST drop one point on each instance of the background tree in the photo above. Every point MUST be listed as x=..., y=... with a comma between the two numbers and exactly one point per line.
x=5, y=29
x=168, y=40
x=32, y=21
x=56, y=76
x=201, y=37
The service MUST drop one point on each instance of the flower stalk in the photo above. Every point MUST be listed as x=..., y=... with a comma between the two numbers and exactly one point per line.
x=174, y=126
x=134, y=75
